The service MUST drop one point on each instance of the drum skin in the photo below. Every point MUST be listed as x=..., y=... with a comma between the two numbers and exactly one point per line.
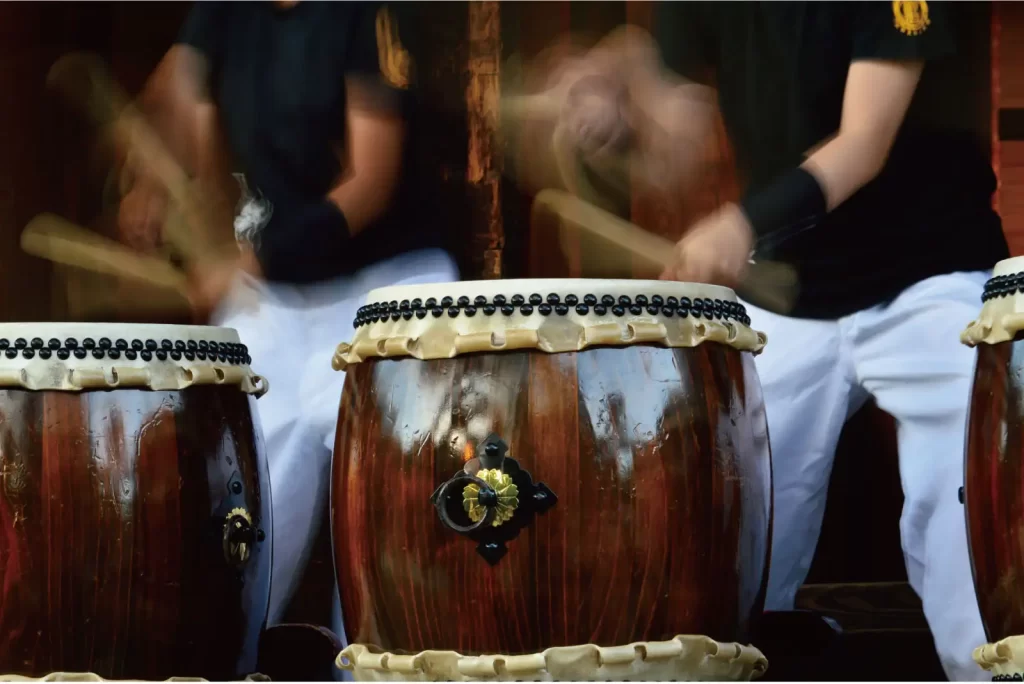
x=993, y=486
x=660, y=463
x=112, y=511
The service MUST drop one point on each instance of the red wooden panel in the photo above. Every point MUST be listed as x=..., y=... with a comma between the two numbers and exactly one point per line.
x=1008, y=92
x=1011, y=201
x=1010, y=51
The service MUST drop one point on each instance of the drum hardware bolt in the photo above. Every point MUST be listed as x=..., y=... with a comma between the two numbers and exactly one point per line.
x=260, y=535
x=488, y=497
x=960, y=494
x=498, y=499
x=236, y=487
x=482, y=501
x=238, y=537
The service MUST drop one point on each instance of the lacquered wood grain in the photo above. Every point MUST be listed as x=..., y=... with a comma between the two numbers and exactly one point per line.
x=660, y=462
x=112, y=506
x=994, y=481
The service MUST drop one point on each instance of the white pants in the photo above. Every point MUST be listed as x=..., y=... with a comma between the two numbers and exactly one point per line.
x=291, y=337
x=908, y=356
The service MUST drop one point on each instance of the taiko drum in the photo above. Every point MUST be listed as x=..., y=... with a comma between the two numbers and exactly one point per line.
x=527, y=465
x=994, y=459
x=134, y=502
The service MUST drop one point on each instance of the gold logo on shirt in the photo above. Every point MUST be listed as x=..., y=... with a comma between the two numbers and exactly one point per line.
x=910, y=16
x=393, y=59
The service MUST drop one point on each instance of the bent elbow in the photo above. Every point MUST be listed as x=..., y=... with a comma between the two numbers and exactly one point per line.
x=876, y=164
x=366, y=199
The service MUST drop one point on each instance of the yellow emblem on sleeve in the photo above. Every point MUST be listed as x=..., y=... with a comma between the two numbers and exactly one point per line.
x=393, y=59
x=910, y=16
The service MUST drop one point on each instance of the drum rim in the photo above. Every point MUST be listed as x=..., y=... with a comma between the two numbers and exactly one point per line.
x=73, y=357
x=185, y=332
x=562, y=286
x=1001, y=317
x=1011, y=265
x=685, y=657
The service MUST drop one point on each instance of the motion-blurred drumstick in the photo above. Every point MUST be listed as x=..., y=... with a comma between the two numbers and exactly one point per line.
x=769, y=285
x=54, y=238
x=85, y=81
x=91, y=296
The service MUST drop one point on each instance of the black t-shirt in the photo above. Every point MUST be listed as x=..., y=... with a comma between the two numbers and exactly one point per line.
x=780, y=71
x=278, y=79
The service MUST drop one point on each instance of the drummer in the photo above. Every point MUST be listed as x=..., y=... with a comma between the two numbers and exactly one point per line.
x=309, y=100
x=861, y=169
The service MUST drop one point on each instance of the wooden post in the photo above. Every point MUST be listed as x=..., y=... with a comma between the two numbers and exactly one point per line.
x=996, y=102
x=484, y=164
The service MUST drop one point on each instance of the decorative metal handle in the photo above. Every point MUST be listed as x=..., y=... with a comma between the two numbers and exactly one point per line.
x=239, y=536
x=491, y=499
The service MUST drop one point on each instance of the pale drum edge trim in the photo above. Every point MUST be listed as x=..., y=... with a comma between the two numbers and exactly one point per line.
x=448, y=338
x=684, y=658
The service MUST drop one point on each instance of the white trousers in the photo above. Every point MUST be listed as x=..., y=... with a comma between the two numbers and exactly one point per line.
x=908, y=356
x=291, y=337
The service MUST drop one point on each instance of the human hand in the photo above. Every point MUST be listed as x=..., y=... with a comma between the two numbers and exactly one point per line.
x=211, y=281
x=715, y=250
x=141, y=215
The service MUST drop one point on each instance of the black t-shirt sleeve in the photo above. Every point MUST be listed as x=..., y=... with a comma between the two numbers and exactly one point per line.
x=681, y=34
x=902, y=31
x=203, y=27
x=203, y=30
x=378, y=59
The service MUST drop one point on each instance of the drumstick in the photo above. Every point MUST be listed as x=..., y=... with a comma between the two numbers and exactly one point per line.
x=54, y=238
x=91, y=296
x=85, y=80
x=769, y=285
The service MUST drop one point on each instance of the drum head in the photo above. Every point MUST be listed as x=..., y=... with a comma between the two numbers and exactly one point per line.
x=80, y=356
x=447, y=319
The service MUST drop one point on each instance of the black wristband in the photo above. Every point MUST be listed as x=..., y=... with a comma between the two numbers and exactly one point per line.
x=791, y=203
x=304, y=244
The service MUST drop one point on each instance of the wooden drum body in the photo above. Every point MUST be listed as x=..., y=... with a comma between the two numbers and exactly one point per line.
x=134, y=502
x=620, y=446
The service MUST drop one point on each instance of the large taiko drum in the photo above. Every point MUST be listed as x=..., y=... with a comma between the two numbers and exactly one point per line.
x=134, y=502
x=994, y=469
x=560, y=479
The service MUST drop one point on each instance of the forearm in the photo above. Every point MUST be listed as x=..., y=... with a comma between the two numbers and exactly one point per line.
x=187, y=129
x=212, y=175
x=803, y=196
x=878, y=94
x=362, y=201
x=845, y=164
x=373, y=160
x=175, y=103
x=677, y=125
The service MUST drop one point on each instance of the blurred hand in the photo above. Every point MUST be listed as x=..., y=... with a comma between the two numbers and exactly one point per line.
x=715, y=250
x=212, y=281
x=144, y=203
x=141, y=216
x=618, y=107
x=598, y=90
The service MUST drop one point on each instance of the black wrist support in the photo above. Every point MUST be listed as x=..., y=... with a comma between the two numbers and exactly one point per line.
x=793, y=202
x=304, y=244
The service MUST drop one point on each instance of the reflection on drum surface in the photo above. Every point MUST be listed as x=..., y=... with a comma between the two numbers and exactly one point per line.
x=993, y=483
x=113, y=508
x=660, y=462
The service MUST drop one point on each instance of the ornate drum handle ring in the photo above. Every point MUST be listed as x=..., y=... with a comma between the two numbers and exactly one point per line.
x=491, y=499
x=476, y=494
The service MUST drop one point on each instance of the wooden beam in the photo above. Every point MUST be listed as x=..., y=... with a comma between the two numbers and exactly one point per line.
x=484, y=163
